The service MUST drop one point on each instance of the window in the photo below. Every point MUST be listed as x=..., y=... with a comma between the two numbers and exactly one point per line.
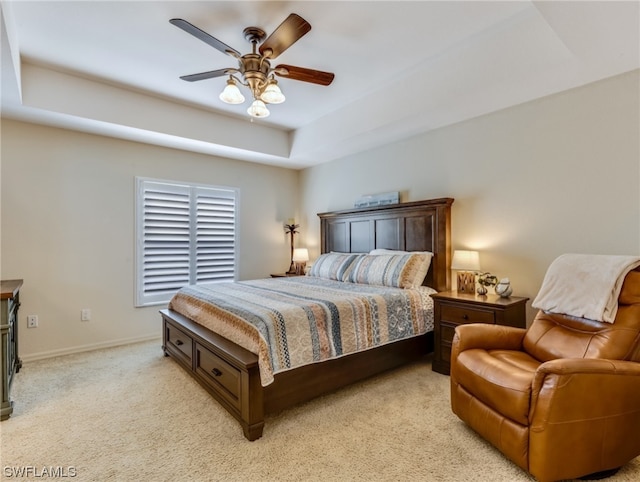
x=185, y=234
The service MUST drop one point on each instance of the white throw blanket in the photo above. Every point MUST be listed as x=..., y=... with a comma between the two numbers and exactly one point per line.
x=585, y=285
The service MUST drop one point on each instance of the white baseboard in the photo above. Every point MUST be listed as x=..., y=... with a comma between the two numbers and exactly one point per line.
x=93, y=346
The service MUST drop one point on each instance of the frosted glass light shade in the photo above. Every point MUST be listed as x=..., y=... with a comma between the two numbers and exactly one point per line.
x=231, y=94
x=258, y=109
x=272, y=93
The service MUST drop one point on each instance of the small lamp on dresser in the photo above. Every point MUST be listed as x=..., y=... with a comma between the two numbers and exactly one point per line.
x=467, y=263
x=300, y=258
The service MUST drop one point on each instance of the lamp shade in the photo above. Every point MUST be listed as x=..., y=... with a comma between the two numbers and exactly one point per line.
x=466, y=260
x=272, y=93
x=231, y=94
x=300, y=255
x=258, y=109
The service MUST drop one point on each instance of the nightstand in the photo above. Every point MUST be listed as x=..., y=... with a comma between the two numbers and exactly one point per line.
x=452, y=308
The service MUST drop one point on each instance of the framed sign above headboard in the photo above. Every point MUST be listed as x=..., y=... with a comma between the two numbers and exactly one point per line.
x=413, y=226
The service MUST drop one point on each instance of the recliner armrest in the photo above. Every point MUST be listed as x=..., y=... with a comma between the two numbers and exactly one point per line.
x=589, y=408
x=570, y=366
x=564, y=372
x=487, y=337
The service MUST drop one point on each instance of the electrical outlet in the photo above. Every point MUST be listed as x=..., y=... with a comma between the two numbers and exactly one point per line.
x=32, y=321
x=85, y=314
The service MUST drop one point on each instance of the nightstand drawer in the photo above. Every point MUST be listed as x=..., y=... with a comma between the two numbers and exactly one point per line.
x=462, y=315
x=447, y=331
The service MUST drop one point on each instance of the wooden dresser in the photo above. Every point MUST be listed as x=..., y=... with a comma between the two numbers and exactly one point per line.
x=10, y=302
x=452, y=308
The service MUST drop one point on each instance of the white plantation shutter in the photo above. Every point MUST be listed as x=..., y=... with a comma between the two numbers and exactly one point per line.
x=165, y=237
x=215, y=236
x=185, y=235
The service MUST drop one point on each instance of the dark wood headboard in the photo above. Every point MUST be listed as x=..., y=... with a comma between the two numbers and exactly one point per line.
x=413, y=226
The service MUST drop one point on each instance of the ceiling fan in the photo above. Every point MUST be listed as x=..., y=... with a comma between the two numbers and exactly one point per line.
x=255, y=68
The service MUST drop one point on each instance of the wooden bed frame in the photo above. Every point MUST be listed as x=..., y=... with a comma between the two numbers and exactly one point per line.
x=230, y=373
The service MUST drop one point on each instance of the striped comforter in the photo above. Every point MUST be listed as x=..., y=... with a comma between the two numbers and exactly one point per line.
x=290, y=322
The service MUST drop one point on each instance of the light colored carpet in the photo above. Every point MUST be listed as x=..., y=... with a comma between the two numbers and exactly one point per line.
x=130, y=414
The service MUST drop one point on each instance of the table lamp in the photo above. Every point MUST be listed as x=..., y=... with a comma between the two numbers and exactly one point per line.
x=467, y=263
x=300, y=258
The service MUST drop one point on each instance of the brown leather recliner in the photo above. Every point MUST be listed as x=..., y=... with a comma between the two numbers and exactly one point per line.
x=561, y=399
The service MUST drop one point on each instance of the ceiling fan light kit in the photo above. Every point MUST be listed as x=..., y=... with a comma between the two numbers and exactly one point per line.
x=255, y=68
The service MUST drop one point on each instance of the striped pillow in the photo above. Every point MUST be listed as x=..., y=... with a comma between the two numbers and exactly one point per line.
x=336, y=266
x=395, y=270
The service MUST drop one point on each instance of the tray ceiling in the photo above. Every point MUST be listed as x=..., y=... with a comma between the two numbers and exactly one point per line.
x=402, y=68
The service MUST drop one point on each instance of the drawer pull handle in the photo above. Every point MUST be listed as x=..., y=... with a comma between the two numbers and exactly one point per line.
x=465, y=317
x=216, y=372
x=179, y=342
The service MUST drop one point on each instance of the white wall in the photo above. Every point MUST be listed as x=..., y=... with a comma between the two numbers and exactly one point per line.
x=556, y=175
x=561, y=174
x=67, y=229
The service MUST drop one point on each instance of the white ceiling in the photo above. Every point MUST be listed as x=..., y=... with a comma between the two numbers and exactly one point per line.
x=401, y=68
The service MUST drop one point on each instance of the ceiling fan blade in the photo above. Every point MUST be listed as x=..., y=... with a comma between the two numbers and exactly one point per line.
x=205, y=37
x=304, y=75
x=206, y=75
x=283, y=37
